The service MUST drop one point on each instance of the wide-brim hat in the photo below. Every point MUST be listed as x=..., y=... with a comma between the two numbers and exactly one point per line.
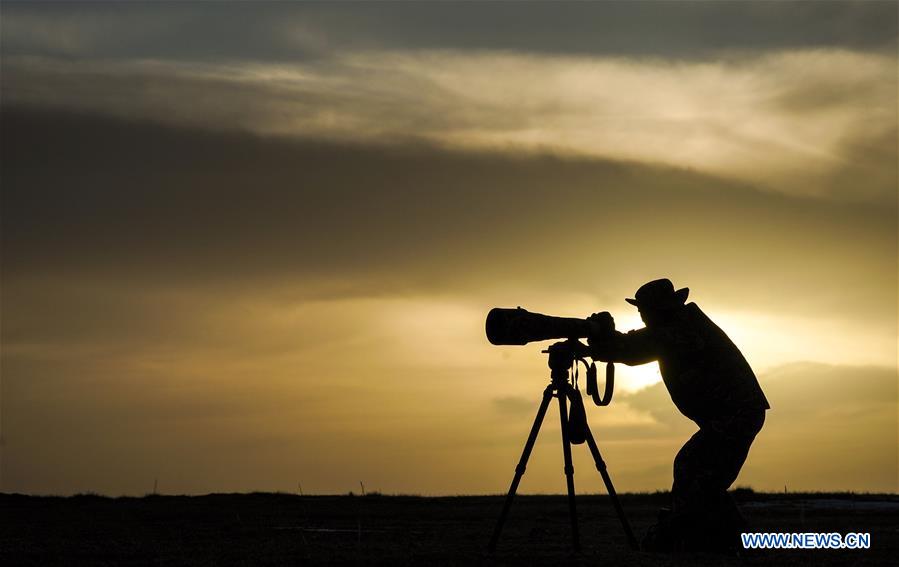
x=659, y=294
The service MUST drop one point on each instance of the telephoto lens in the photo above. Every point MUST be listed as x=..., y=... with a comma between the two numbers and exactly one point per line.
x=520, y=327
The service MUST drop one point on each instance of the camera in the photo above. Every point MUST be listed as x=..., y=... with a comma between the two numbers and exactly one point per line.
x=520, y=327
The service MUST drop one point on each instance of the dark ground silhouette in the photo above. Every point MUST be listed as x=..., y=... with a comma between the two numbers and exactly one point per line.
x=283, y=529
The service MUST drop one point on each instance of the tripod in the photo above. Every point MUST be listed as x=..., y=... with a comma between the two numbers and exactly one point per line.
x=561, y=357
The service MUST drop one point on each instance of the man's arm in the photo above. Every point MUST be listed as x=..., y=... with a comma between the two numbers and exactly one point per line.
x=609, y=345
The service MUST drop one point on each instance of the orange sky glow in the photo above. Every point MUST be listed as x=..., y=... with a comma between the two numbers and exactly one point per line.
x=238, y=265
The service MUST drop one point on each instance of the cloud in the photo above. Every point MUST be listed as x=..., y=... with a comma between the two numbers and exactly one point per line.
x=279, y=31
x=311, y=219
x=818, y=122
x=514, y=405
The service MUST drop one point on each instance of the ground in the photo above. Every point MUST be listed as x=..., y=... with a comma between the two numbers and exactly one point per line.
x=284, y=529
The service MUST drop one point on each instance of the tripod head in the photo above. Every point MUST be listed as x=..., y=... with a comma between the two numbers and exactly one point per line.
x=564, y=354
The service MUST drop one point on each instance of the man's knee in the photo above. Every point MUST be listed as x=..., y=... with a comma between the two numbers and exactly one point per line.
x=687, y=462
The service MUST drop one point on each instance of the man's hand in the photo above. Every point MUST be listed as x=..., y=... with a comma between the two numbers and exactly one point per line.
x=603, y=323
x=602, y=326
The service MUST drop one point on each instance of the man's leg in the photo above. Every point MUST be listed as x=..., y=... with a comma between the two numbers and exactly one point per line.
x=704, y=515
x=693, y=491
x=737, y=436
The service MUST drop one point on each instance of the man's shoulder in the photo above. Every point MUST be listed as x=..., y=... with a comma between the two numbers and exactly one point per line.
x=693, y=309
x=696, y=317
x=684, y=332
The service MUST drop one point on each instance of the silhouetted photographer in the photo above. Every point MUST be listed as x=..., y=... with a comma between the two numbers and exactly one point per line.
x=708, y=379
x=711, y=383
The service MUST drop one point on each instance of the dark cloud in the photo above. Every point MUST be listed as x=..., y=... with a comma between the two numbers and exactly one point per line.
x=291, y=31
x=816, y=122
x=146, y=205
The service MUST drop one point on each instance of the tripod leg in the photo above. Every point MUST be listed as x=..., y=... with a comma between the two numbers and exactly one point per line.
x=522, y=465
x=603, y=471
x=569, y=470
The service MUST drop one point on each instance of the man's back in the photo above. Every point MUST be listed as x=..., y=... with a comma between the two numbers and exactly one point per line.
x=704, y=371
x=710, y=377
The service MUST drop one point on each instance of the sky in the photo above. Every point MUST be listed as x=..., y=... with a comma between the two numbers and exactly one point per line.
x=251, y=246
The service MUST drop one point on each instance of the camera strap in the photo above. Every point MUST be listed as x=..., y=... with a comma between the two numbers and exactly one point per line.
x=593, y=389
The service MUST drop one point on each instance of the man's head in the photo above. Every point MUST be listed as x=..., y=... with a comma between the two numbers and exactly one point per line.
x=657, y=300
